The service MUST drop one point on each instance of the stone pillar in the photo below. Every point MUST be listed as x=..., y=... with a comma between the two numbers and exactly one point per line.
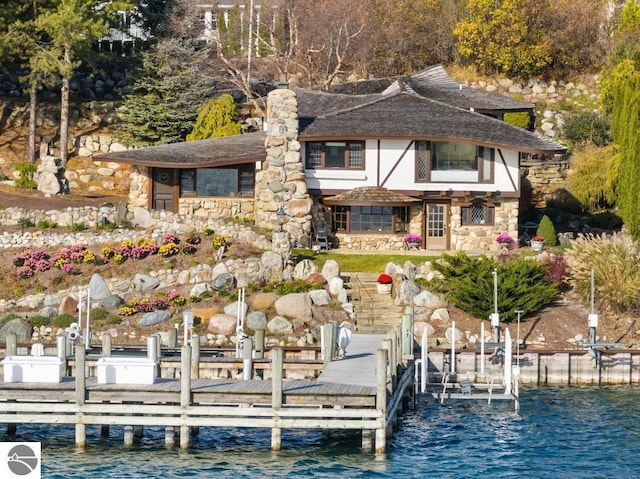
x=281, y=180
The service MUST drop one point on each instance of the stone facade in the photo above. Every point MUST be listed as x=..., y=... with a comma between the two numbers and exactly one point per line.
x=482, y=238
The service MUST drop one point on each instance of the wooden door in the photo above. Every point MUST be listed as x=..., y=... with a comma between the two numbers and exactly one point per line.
x=437, y=219
x=164, y=189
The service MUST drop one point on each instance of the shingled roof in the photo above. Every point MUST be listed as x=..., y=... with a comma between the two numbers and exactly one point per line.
x=407, y=115
x=229, y=150
x=370, y=195
x=436, y=84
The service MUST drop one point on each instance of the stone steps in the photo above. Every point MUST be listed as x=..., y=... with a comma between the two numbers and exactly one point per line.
x=376, y=313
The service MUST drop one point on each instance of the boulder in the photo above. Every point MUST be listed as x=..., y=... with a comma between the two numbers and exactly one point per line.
x=263, y=301
x=143, y=282
x=279, y=325
x=427, y=299
x=98, y=288
x=199, y=289
x=304, y=269
x=419, y=328
x=232, y=308
x=68, y=305
x=335, y=285
x=154, y=317
x=296, y=305
x=112, y=303
x=256, y=320
x=20, y=327
x=319, y=297
x=222, y=324
x=407, y=291
x=441, y=314
x=330, y=270
x=223, y=282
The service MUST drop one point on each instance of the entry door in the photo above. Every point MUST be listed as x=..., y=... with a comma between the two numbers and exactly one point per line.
x=163, y=189
x=437, y=215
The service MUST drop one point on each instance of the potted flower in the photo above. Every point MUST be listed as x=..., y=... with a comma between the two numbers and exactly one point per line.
x=384, y=283
x=504, y=240
x=413, y=241
x=537, y=242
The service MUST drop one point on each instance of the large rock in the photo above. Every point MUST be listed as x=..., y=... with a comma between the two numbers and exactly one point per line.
x=279, y=325
x=441, y=314
x=154, y=317
x=256, y=320
x=304, y=269
x=205, y=314
x=112, y=303
x=98, y=288
x=419, y=327
x=143, y=282
x=68, y=305
x=224, y=282
x=222, y=324
x=296, y=305
x=330, y=270
x=20, y=327
x=335, y=285
x=199, y=289
x=48, y=312
x=272, y=266
x=427, y=299
x=407, y=291
x=232, y=308
x=141, y=217
x=263, y=301
x=319, y=297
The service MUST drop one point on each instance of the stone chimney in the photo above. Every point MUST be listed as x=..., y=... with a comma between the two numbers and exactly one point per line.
x=281, y=180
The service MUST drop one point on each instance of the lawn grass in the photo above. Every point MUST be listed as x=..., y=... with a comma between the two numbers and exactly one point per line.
x=361, y=263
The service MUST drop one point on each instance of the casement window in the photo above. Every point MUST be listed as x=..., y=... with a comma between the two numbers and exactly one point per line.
x=230, y=181
x=335, y=154
x=477, y=213
x=446, y=161
x=371, y=219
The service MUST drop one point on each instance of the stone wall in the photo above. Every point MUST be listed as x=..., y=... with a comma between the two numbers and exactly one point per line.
x=482, y=238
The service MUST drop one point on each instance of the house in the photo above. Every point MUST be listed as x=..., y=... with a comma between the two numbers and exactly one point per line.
x=426, y=156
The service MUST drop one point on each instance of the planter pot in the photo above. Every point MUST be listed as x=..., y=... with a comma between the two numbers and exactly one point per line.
x=384, y=288
x=537, y=245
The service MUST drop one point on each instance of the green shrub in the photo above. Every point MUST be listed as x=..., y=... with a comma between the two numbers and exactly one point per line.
x=606, y=220
x=107, y=225
x=37, y=321
x=98, y=314
x=25, y=223
x=8, y=317
x=587, y=126
x=79, y=226
x=616, y=265
x=547, y=231
x=63, y=320
x=523, y=284
x=25, y=178
x=46, y=224
x=520, y=119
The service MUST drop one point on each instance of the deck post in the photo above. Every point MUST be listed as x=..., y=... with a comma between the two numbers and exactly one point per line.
x=381, y=398
x=128, y=435
x=259, y=344
x=11, y=345
x=185, y=391
x=407, y=334
x=152, y=351
x=61, y=347
x=169, y=436
x=195, y=356
x=367, y=439
x=106, y=346
x=387, y=344
x=329, y=337
x=172, y=342
x=247, y=362
x=81, y=438
x=277, y=359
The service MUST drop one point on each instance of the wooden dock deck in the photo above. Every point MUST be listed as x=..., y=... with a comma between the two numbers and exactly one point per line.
x=353, y=393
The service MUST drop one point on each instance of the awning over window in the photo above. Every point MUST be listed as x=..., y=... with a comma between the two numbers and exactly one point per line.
x=370, y=195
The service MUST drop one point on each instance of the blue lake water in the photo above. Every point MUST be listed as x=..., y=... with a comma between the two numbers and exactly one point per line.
x=559, y=432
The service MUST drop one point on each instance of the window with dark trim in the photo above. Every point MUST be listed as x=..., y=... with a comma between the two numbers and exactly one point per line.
x=478, y=213
x=228, y=181
x=335, y=154
x=439, y=161
x=369, y=219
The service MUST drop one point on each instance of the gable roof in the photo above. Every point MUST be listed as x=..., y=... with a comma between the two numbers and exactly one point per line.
x=370, y=195
x=436, y=84
x=407, y=115
x=228, y=150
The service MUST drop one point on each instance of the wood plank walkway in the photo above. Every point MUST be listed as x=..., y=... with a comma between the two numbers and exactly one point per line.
x=359, y=365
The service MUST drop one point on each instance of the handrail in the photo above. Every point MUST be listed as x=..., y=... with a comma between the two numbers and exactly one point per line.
x=360, y=289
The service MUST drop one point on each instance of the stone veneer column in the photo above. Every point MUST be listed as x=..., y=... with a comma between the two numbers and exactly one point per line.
x=281, y=181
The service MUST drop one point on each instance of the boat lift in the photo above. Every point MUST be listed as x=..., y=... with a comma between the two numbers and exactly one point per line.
x=594, y=348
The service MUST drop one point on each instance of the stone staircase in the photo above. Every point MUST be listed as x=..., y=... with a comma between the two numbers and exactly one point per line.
x=376, y=313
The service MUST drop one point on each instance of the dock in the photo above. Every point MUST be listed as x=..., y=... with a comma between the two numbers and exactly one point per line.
x=364, y=392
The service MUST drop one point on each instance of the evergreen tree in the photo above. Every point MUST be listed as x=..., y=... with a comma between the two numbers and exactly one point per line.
x=162, y=105
x=216, y=118
x=547, y=231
